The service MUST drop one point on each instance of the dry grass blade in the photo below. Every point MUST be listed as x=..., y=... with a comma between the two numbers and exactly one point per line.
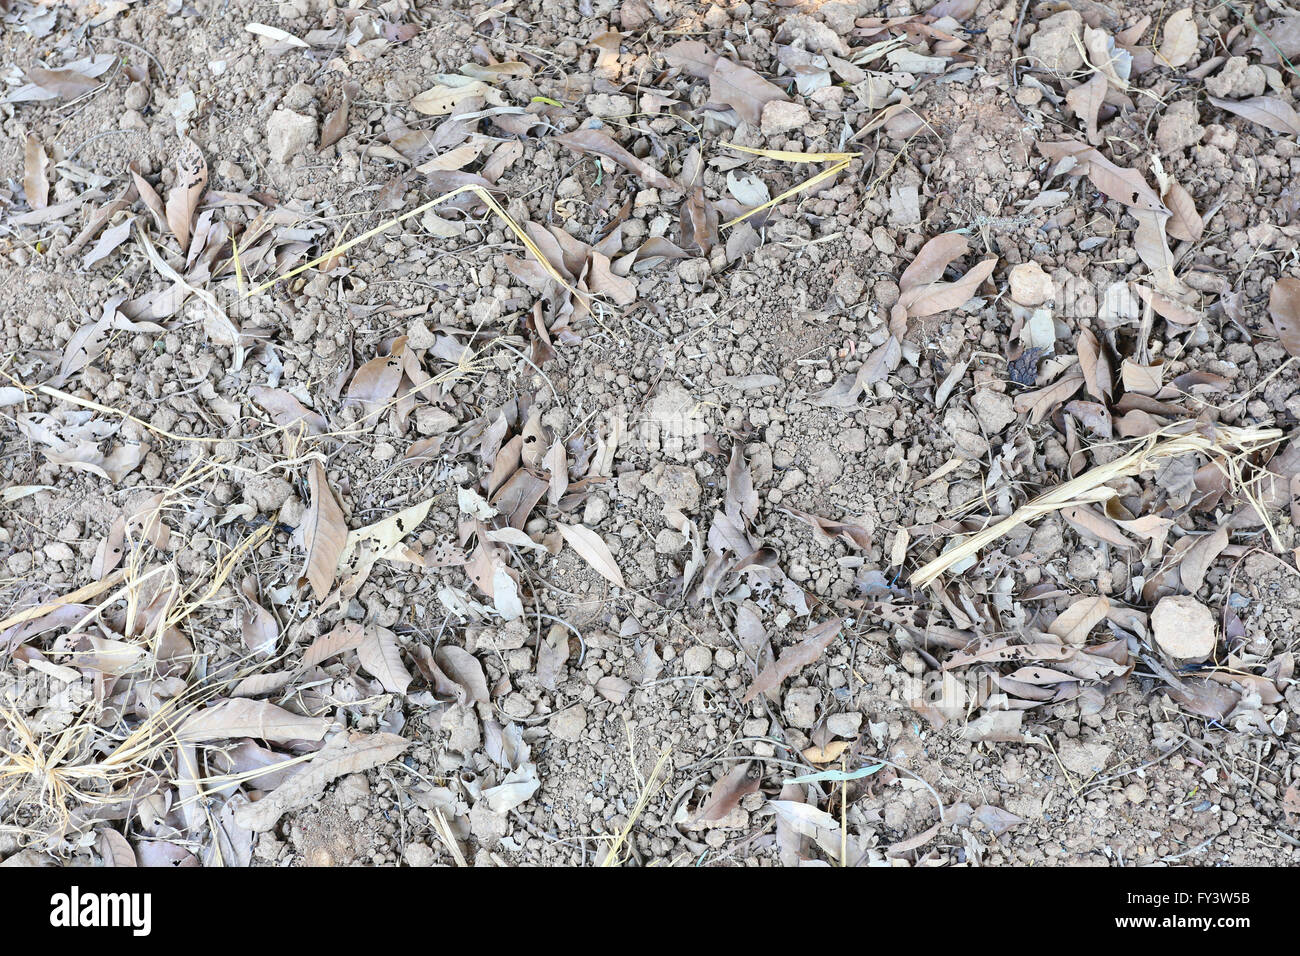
x=1225, y=442
x=841, y=162
x=479, y=191
x=613, y=856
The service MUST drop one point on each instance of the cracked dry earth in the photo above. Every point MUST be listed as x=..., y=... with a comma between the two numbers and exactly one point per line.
x=604, y=510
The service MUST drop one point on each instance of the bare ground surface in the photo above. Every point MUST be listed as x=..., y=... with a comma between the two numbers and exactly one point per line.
x=664, y=478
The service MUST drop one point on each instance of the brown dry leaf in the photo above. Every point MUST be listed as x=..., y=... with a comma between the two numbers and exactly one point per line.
x=231, y=719
x=1198, y=558
x=875, y=368
x=1085, y=101
x=792, y=659
x=1124, y=185
x=598, y=143
x=376, y=382
x=381, y=656
x=36, y=182
x=1185, y=224
x=1152, y=247
x=1271, y=112
x=1040, y=402
x=693, y=57
x=1095, y=365
x=1096, y=525
x=934, y=297
x=1099, y=45
x=441, y=99
x=183, y=198
x=1167, y=307
x=114, y=848
x=343, y=755
x=725, y=794
x=1284, y=310
x=593, y=550
x=1142, y=379
x=1076, y=622
x=324, y=534
x=287, y=410
x=1179, y=42
x=932, y=260
x=345, y=637
x=743, y=90
x=465, y=672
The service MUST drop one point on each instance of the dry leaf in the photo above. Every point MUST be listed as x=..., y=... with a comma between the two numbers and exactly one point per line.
x=287, y=410
x=183, y=198
x=1076, y=622
x=726, y=793
x=1271, y=112
x=743, y=90
x=344, y=754
x=1185, y=224
x=593, y=550
x=598, y=143
x=381, y=656
x=230, y=719
x=792, y=659
x=1284, y=310
x=1179, y=42
x=36, y=182
x=324, y=534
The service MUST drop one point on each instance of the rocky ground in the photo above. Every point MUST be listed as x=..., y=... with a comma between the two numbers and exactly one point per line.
x=538, y=432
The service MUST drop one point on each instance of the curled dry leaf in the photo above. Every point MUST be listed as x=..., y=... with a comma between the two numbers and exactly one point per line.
x=324, y=534
x=593, y=550
x=792, y=659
